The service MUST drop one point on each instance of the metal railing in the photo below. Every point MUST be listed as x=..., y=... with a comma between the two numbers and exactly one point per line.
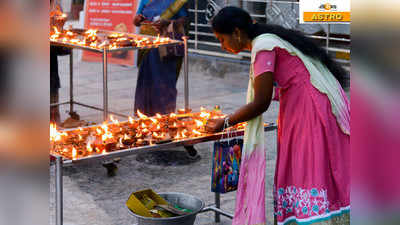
x=202, y=40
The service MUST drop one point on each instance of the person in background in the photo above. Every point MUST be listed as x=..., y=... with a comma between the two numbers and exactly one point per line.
x=312, y=175
x=55, y=51
x=158, y=73
x=159, y=68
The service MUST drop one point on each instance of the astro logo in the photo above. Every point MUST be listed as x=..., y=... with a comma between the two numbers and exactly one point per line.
x=327, y=7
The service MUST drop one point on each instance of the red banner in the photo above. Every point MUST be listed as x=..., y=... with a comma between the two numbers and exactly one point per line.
x=111, y=15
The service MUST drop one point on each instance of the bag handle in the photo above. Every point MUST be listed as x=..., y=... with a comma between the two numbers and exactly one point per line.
x=229, y=132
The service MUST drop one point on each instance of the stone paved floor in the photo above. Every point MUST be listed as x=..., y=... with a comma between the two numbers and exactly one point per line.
x=90, y=197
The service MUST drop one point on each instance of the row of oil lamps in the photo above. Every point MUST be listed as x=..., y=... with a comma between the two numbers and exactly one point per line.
x=114, y=135
x=90, y=38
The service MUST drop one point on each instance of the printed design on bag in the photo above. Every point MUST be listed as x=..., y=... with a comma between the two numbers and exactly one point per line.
x=226, y=164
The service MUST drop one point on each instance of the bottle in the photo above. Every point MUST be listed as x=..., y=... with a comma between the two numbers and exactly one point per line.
x=217, y=110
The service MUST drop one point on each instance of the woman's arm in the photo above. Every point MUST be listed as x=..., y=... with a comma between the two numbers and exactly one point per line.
x=263, y=85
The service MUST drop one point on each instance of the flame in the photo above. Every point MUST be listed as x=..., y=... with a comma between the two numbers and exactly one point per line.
x=113, y=46
x=56, y=30
x=91, y=32
x=196, y=132
x=57, y=138
x=131, y=120
x=104, y=127
x=183, y=133
x=138, y=135
x=158, y=116
x=172, y=115
x=106, y=136
x=202, y=109
x=115, y=35
x=218, y=117
x=138, y=42
x=115, y=121
x=104, y=152
x=74, y=41
x=120, y=142
x=143, y=125
x=141, y=115
x=158, y=127
x=80, y=137
x=54, y=134
x=174, y=124
x=156, y=135
x=93, y=45
x=53, y=37
x=198, y=123
x=98, y=130
x=177, y=136
x=89, y=147
x=126, y=137
x=153, y=120
x=53, y=131
x=205, y=114
x=80, y=129
x=74, y=153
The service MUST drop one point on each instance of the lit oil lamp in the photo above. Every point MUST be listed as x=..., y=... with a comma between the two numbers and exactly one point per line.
x=185, y=133
x=184, y=111
x=74, y=153
x=146, y=132
x=89, y=148
x=177, y=136
x=155, y=127
x=91, y=37
x=120, y=145
x=199, y=123
x=141, y=142
x=196, y=133
x=70, y=34
x=127, y=140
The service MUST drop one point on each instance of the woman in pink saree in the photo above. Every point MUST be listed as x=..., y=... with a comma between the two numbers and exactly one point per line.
x=312, y=181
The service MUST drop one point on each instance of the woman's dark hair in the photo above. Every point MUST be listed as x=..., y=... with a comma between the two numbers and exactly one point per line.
x=231, y=17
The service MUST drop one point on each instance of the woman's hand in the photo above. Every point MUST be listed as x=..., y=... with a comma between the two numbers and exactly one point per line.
x=139, y=18
x=215, y=125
